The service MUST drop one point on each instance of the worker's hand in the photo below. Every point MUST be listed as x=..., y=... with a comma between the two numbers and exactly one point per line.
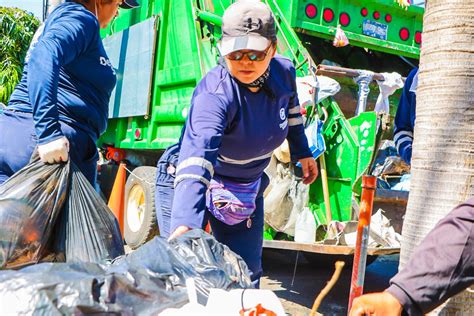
x=310, y=170
x=376, y=304
x=179, y=231
x=55, y=151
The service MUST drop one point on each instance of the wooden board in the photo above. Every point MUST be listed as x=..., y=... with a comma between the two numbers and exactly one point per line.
x=324, y=249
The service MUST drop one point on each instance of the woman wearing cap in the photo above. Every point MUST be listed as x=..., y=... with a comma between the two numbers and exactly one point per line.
x=61, y=102
x=240, y=112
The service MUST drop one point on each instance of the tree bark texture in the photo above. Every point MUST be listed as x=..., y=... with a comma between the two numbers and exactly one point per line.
x=443, y=148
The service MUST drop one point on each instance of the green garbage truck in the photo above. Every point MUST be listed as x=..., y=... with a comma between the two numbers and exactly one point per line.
x=162, y=49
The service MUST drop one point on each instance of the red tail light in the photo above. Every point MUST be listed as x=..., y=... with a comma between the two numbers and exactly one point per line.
x=138, y=134
x=328, y=15
x=311, y=11
x=418, y=37
x=388, y=18
x=404, y=33
x=376, y=15
x=364, y=12
x=344, y=19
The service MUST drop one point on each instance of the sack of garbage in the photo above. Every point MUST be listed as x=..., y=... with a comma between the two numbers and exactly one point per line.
x=86, y=229
x=285, y=198
x=144, y=282
x=52, y=213
x=30, y=202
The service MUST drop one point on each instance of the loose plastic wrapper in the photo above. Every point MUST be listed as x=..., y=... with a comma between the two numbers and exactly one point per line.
x=285, y=198
x=340, y=38
x=30, y=202
x=52, y=213
x=144, y=282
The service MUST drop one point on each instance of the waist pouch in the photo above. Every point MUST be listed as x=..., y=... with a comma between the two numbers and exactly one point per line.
x=232, y=202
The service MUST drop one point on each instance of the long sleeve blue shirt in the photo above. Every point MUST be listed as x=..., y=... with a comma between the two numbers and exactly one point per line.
x=231, y=132
x=67, y=75
x=405, y=119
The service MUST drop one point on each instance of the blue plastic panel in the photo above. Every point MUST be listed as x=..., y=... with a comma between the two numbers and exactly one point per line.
x=131, y=53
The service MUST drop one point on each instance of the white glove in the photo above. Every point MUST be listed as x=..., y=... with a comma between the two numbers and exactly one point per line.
x=55, y=151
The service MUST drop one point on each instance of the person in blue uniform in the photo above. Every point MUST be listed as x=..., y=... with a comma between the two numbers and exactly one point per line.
x=405, y=117
x=240, y=112
x=60, y=105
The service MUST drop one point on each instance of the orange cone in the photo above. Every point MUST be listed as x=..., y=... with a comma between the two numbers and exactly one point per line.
x=117, y=197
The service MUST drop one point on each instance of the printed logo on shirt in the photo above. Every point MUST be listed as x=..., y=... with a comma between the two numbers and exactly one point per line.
x=105, y=62
x=283, y=118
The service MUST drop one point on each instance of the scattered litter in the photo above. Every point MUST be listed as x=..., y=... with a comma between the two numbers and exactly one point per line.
x=382, y=233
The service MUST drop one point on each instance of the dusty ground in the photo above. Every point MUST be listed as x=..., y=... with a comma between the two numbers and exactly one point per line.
x=298, y=298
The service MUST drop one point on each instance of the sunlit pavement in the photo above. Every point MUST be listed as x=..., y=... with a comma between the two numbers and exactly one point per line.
x=310, y=279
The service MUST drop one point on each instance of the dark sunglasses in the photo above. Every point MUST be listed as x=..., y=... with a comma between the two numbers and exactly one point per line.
x=253, y=55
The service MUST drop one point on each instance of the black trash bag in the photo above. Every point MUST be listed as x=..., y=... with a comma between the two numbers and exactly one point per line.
x=215, y=264
x=30, y=202
x=86, y=230
x=145, y=282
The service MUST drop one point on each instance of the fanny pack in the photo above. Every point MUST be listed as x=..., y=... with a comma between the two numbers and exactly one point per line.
x=232, y=202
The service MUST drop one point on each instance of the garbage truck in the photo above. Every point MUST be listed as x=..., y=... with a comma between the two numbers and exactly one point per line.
x=161, y=50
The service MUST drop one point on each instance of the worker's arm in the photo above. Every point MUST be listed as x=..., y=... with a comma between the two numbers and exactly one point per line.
x=405, y=120
x=62, y=41
x=441, y=266
x=198, y=154
x=297, y=141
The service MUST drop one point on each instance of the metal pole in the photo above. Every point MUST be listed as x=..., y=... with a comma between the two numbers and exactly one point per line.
x=363, y=229
x=334, y=71
x=209, y=17
x=45, y=9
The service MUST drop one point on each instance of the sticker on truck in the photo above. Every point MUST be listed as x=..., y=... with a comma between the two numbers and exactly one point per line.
x=374, y=29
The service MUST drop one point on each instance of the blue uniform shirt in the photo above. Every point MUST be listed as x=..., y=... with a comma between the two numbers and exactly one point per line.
x=405, y=119
x=232, y=132
x=67, y=75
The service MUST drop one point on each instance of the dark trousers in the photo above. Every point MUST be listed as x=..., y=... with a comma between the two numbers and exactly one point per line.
x=246, y=242
x=18, y=141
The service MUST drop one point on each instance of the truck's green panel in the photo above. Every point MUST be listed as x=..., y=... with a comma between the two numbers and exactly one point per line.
x=182, y=57
x=185, y=51
x=316, y=25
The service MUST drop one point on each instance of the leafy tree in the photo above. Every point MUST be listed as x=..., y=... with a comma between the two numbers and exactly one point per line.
x=17, y=28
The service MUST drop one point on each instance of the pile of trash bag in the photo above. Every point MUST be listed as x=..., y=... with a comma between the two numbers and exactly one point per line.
x=144, y=282
x=52, y=213
x=54, y=223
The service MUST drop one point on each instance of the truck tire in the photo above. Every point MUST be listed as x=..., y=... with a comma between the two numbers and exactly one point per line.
x=139, y=215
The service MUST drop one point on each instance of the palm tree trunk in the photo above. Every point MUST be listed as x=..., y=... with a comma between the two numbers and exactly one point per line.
x=443, y=149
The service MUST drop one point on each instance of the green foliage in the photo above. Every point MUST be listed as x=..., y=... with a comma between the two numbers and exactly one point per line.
x=17, y=28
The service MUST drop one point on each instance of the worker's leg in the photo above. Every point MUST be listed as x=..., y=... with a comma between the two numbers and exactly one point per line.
x=164, y=193
x=82, y=151
x=246, y=242
x=17, y=142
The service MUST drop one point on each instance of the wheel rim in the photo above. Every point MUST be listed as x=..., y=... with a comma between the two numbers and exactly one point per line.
x=136, y=208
